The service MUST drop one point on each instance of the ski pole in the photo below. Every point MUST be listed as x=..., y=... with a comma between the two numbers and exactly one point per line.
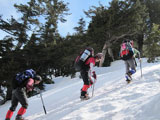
x=43, y=103
x=141, y=67
x=93, y=88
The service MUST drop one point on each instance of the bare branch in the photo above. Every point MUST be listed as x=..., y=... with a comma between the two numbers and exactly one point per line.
x=116, y=38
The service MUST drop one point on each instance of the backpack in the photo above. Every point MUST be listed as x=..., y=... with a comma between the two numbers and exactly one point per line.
x=21, y=77
x=126, y=51
x=81, y=58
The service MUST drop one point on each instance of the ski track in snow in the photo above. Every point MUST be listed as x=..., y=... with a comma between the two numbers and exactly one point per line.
x=120, y=100
x=113, y=98
x=116, y=99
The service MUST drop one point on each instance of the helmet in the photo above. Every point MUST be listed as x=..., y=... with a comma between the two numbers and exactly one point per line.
x=38, y=78
x=99, y=55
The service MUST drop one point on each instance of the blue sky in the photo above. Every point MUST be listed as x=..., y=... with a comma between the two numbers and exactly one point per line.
x=76, y=9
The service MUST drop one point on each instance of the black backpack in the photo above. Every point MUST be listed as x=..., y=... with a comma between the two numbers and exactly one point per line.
x=82, y=57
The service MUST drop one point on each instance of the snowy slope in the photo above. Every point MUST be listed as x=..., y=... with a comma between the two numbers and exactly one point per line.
x=113, y=98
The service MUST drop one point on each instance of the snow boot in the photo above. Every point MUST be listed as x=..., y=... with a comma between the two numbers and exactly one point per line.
x=128, y=81
x=84, y=95
x=128, y=76
x=19, y=117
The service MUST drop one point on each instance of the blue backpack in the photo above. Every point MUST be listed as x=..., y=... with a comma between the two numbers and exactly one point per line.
x=22, y=76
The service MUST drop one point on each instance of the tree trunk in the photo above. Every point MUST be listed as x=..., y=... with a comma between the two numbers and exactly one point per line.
x=140, y=44
x=9, y=93
x=108, y=44
x=106, y=47
x=110, y=52
x=104, y=50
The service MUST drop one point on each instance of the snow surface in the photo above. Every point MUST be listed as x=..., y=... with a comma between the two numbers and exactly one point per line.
x=113, y=99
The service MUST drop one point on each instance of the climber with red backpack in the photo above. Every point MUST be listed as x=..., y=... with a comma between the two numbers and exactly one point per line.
x=128, y=54
x=85, y=63
x=22, y=83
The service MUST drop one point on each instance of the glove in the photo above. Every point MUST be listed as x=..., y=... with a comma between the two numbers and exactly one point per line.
x=94, y=75
x=91, y=82
x=29, y=88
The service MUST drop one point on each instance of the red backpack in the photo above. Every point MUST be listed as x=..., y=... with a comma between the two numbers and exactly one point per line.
x=126, y=51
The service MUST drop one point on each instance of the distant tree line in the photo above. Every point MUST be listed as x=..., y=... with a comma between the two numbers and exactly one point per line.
x=33, y=41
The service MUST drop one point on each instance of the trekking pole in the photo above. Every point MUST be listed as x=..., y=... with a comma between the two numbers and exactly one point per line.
x=141, y=67
x=43, y=103
x=135, y=62
x=93, y=88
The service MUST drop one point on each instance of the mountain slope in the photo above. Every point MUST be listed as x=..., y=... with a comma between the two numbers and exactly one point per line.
x=113, y=98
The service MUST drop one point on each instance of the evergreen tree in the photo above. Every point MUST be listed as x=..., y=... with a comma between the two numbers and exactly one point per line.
x=153, y=8
x=81, y=28
x=54, y=12
x=30, y=13
x=7, y=64
x=31, y=51
x=152, y=44
x=153, y=11
x=121, y=20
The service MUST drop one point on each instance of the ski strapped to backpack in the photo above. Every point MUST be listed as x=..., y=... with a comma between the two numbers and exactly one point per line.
x=84, y=55
x=20, y=77
x=126, y=51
